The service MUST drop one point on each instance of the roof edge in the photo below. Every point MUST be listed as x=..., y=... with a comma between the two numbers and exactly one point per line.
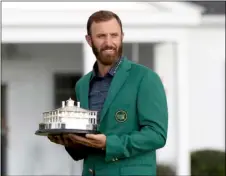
x=182, y=7
x=213, y=20
x=197, y=7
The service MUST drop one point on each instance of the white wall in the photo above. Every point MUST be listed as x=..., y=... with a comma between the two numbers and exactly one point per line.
x=31, y=93
x=207, y=92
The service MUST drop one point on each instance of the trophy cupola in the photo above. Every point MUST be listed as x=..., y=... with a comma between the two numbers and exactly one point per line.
x=70, y=102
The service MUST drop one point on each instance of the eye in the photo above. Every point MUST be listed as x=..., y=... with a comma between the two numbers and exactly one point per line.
x=114, y=34
x=101, y=36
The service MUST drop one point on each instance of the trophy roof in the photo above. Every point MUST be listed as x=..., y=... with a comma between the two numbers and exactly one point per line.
x=73, y=108
x=70, y=107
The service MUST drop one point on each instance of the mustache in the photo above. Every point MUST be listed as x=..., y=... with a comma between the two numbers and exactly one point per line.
x=108, y=48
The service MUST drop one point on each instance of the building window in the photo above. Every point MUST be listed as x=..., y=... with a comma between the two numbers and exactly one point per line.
x=64, y=87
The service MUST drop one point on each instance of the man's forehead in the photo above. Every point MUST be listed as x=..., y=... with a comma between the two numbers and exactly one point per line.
x=110, y=26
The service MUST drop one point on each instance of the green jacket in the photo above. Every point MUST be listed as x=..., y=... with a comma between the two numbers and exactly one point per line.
x=134, y=119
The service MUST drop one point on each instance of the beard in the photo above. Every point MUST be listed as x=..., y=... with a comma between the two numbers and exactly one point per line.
x=110, y=58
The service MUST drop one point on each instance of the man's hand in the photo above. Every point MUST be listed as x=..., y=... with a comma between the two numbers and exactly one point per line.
x=91, y=140
x=63, y=140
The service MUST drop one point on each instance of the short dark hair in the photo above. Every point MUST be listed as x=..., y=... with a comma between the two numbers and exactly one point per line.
x=101, y=16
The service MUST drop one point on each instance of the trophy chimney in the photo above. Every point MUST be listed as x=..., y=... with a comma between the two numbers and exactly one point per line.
x=63, y=104
x=78, y=104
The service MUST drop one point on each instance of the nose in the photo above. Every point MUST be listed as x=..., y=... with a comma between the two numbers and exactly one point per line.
x=108, y=40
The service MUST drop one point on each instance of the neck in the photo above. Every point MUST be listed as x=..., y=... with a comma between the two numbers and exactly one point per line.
x=103, y=69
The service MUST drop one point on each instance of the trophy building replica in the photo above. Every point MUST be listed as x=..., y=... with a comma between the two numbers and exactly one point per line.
x=68, y=119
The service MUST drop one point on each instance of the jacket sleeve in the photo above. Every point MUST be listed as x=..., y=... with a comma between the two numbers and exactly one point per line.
x=152, y=113
x=80, y=152
x=77, y=153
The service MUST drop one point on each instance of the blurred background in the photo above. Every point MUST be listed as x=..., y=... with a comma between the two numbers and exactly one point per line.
x=43, y=54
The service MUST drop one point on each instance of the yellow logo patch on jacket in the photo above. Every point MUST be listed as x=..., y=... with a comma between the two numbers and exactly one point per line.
x=121, y=116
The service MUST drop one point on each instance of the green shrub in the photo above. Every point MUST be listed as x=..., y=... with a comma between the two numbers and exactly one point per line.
x=208, y=163
x=165, y=170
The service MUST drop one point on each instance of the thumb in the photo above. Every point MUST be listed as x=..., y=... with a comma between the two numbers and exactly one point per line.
x=91, y=136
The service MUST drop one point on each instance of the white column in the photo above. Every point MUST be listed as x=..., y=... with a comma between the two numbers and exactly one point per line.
x=165, y=66
x=135, y=52
x=88, y=59
x=183, y=152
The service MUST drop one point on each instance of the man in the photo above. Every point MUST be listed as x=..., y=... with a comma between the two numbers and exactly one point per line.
x=132, y=106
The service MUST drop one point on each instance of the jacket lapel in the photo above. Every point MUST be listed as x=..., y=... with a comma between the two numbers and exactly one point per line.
x=117, y=82
x=84, y=95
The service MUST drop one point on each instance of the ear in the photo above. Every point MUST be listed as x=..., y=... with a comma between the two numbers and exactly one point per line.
x=122, y=35
x=89, y=40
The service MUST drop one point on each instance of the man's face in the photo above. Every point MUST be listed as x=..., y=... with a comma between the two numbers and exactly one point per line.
x=106, y=41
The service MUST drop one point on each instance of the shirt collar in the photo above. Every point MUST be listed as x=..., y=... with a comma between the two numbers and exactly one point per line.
x=111, y=72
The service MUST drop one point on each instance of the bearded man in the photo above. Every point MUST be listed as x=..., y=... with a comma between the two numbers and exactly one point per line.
x=131, y=103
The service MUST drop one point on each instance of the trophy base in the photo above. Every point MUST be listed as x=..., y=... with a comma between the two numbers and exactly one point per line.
x=47, y=132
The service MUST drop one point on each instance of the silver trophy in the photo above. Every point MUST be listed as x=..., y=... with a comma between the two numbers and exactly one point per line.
x=68, y=119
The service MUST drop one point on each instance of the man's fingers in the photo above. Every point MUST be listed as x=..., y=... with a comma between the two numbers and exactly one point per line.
x=59, y=139
x=78, y=139
x=83, y=140
x=91, y=136
x=66, y=140
x=52, y=138
x=56, y=139
x=75, y=138
x=91, y=140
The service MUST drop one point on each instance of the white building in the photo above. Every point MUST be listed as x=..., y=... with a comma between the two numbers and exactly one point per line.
x=43, y=44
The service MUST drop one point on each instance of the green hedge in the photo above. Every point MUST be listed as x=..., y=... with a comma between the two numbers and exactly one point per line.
x=208, y=162
x=165, y=170
x=203, y=163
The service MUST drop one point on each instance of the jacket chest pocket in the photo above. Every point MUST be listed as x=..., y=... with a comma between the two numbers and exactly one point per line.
x=121, y=118
x=121, y=114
